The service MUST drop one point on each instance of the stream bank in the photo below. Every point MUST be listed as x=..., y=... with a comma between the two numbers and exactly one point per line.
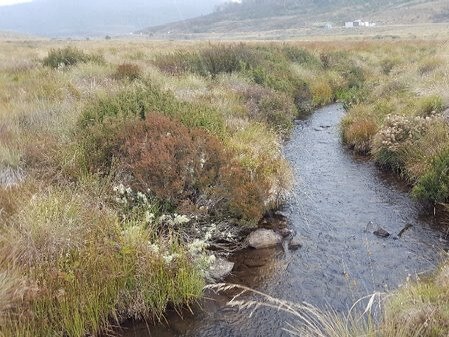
x=338, y=202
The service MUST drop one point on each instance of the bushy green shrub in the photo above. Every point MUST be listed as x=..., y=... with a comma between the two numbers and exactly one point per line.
x=209, y=61
x=351, y=96
x=225, y=59
x=300, y=55
x=69, y=56
x=177, y=63
x=434, y=185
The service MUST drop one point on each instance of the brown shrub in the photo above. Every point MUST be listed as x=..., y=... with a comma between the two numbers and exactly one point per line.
x=174, y=162
x=128, y=71
x=246, y=193
x=190, y=168
x=359, y=133
x=12, y=197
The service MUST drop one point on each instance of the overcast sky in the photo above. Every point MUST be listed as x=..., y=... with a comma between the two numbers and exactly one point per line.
x=12, y=2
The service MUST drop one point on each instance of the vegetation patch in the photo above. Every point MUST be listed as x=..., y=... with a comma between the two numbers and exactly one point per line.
x=69, y=56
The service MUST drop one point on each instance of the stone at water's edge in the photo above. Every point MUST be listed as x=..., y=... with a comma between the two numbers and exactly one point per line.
x=295, y=243
x=219, y=270
x=264, y=238
x=382, y=233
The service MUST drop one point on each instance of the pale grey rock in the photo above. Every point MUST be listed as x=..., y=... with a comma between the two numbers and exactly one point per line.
x=264, y=238
x=219, y=269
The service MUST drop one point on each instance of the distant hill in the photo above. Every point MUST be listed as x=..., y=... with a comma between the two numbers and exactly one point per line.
x=62, y=18
x=268, y=15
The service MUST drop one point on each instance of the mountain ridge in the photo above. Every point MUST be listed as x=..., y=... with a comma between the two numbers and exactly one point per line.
x=266, y=15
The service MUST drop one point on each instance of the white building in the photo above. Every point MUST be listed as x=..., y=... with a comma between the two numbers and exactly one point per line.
x=359, y=23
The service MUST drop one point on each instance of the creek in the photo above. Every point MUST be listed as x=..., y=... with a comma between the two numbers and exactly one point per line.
x=338, y=201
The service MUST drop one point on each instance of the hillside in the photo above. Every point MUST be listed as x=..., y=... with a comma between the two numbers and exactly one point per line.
x=62, y=18
x=268, y=15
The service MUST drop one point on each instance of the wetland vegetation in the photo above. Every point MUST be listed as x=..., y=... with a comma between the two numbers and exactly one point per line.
x=123, y=161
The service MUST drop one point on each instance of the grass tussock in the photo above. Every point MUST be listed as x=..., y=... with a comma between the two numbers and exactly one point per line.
x=418, y=309
x=69, y=56
x=63, y=240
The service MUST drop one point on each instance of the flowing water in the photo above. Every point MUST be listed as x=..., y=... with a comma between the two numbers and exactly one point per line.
x=337, y=203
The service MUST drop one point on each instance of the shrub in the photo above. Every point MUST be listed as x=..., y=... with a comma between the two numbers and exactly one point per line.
x=69, y=56
x=177, y=63
x=224, y=59
x=246, y=193
x=104, y=117
x=321, y=91
x=429, y=65
x=209, y=61
x=128, y=71
x=434, y=185
x=275, y=109
x=174, y=162
x=300, y=56
x=430, y=105
x=258, y=151
x=388, y=64
x=354, y=76
x=359, y=132
x=397, y=135
x=351, y=96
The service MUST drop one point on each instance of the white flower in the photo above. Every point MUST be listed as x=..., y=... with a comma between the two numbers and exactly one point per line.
x=168, y=259
x=180, y=219
x=120, y=189
x=212, y=259
x=197, y=246
x=154, y=248
x=142, y=197
x=149, y=217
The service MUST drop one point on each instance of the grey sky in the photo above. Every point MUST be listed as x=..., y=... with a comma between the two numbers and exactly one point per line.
x=12, y=2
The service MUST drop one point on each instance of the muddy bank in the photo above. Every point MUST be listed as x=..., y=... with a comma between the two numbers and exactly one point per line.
x=337, y=204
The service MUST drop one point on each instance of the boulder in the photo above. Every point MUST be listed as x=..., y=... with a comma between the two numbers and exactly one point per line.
x=219, y=269
x=264, y=238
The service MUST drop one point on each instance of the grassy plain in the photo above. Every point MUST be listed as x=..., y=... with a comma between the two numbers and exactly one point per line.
x=119, y=158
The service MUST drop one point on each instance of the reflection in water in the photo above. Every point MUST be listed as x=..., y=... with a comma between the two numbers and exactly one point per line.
x=335, y=197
